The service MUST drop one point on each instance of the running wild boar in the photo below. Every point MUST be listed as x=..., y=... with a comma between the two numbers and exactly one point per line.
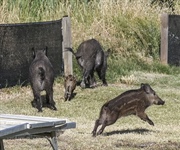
x=69, y=86
x=91, y=57
x=132, y=102
x=41, y=75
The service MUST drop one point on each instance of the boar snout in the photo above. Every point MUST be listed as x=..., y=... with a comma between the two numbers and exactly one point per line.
x=160, y=102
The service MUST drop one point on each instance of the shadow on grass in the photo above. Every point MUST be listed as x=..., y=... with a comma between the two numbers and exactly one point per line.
x=138, y=131
x=45, y=104
x=149, y=145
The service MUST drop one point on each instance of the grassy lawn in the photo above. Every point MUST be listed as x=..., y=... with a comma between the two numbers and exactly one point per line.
x=127, y=133
x=131, y=29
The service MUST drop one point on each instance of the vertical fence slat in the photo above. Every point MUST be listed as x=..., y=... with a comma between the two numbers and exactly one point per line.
x=164, y=39
x=67, y=42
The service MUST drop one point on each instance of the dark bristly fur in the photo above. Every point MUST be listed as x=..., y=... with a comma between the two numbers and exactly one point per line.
x=69, y=85
x=132, y=102
x=41, y=76
x=91, y=57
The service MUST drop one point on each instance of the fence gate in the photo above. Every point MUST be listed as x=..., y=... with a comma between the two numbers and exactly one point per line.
x=17, y=40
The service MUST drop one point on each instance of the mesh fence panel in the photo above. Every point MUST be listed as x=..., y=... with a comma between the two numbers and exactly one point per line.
x=174, y=40
x=16, y=42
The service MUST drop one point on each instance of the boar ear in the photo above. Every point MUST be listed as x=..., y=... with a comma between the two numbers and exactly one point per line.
x=33, y=52
x=146, y=88
x=45, y=50
x=74, y=78
x=107, y=52
x=65, y=78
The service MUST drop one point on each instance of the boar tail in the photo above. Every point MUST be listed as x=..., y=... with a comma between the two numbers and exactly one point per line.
x=41, y=73
x=71, y=50
x=104, y=109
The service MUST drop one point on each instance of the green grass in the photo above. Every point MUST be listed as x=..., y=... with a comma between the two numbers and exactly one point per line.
x=127, y=133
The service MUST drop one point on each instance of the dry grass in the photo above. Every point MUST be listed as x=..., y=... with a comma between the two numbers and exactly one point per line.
x=125, y=27
x=128, y=133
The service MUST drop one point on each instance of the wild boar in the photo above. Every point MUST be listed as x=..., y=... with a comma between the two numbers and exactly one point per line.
x=69, y=86
x=132, y=102
x=41, y=75
x=91, y=57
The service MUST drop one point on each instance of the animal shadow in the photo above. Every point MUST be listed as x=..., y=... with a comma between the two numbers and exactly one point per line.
x=137, y=131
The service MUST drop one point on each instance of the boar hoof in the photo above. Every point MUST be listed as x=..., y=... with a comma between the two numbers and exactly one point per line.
x=104, y=84
x=65, y=98
x=83, y=85
x=151, y=123
x=94, y=135
x=34, y=104
x=40, y=110
x=92, y=86
x=99, y=132
x=53, y=108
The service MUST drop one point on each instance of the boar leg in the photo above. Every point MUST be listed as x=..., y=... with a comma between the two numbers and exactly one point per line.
x=144, y=117
x=83, y=85
x=34, y=103
x=65, y=96
x=39, y=104
x=49, y=98
x=37, y=98
x=101, y=73
x=111, y=119
x=104, y=124
x=97, y=123
x=86, y=77
x=69, y=93
x=92, y=80
x=106, y=118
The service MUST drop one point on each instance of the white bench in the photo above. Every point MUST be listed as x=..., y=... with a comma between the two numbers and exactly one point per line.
x=22, y=126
